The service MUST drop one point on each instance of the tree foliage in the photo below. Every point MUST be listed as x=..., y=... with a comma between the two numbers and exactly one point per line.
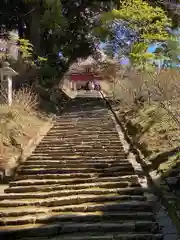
x=169, y=51
x=131, y=28
x=69, y=26
x=139, y=56
x=148, y=22
x=55, y=26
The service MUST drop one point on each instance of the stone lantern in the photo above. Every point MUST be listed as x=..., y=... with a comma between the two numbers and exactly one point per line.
x=6, y=80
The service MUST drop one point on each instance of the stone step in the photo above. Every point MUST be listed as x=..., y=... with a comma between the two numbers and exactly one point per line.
x=51, y=201
x=82, y=139
x=105, y=207
x=58, y=139
x=78, y=154
x=89, y=147
x=60, y=174
x=84, y=134
x=87, y=217
x=85, y=195
x=95, y=146
x=69, y=192
x=56, y=186
x=65, y=228
x=80, y=150
x=53, y=170
x=89, y=208
x=108, y=236
x=77, y=137
x=57, y=176
x=69, y=181
x=105, y=142
x=93, y=126
x=70, y=125
x=84, y=129
x=79, y=159
x=81, y=165
x=81, y=133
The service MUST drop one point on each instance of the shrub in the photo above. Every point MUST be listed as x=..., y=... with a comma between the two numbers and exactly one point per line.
x=18, y=122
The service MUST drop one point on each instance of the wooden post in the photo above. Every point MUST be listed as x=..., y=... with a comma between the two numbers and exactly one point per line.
x=9, y=80
x=75, y=87
x=71, y=84
x=6, y=80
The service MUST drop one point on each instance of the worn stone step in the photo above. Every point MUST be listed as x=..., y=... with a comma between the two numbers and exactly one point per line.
x=72, y=175
x=80, y=150
x=106, y=236
x=54, y=170
x=86, y=162
x=113, y=135
x=89, y=135
x=95, y=146
x=97, y=143
x=61, y=142
x=81, y=133
x=56, y=186
x=95, y=217
x=83, y=193
x=79, y=159
x=70, y=192
x=79, y=140
x=75, y=199
x=81, y=209
x=23, y=211
x=105, y=125
x=94, y=127
x=56, y=174
x=68, y=120
x=69, y=181
x=80, y=154
x=70, y=164
x=90, y=207
x=62, y=228
x=79, y=147
x=100, y=125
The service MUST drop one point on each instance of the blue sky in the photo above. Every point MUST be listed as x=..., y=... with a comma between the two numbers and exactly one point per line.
x=152, y=47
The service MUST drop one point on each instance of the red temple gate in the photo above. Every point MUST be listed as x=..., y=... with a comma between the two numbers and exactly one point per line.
x=77, y=80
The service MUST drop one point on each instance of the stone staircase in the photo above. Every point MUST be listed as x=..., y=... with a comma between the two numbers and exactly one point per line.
x=78, y=184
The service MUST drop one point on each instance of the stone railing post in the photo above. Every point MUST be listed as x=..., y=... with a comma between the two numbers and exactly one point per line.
x=6, y=80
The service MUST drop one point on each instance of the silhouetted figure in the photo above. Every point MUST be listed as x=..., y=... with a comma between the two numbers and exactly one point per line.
x=91, y=85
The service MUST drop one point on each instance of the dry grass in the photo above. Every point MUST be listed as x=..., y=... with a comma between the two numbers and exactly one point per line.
x=158, y=130
x=18, y=124
x=155, y=120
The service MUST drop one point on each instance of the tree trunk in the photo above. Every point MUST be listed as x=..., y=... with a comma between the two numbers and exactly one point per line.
x=35, y=29
x=20, y=29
